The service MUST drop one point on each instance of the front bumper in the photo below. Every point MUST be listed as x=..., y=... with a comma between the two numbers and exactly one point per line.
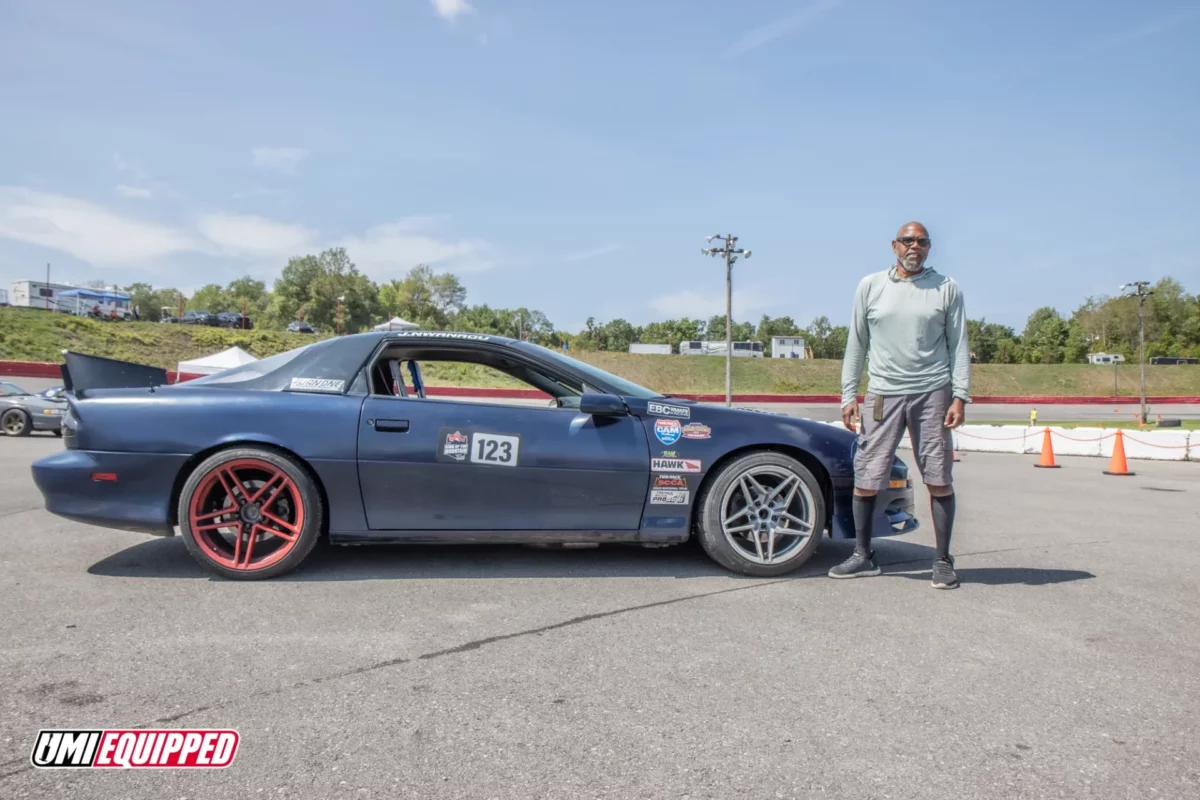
x=895, y=512
x=45, y=422
x=138, y=500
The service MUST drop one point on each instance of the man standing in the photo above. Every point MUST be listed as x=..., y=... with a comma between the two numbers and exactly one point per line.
x=909, y=323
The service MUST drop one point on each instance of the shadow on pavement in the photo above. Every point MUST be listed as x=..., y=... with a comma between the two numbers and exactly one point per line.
x=169, y=558
x=1004, y=576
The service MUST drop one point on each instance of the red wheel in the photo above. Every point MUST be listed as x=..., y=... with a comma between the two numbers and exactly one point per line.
x=250, y=514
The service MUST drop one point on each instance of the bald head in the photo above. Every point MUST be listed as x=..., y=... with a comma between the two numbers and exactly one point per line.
x=911, y=247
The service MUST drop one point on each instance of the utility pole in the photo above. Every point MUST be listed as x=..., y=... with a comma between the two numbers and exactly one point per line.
x=339, y=314
x=730, y=254
x=47, y=292
x=1140, y=290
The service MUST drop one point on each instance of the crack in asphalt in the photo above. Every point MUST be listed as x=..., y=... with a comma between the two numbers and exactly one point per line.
x=480, y=643
x=22, y=511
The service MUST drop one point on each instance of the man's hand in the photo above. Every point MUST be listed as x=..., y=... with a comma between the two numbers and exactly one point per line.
x=956, y=414
x=850, y=415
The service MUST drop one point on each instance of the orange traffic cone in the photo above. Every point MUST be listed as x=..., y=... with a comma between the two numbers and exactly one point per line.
x=1047, y=459
x=1118, y=466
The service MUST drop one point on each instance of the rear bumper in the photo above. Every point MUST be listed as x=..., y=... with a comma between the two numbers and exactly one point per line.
x=138, y=500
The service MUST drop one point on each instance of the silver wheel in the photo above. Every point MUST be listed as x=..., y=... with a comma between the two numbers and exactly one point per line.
x=768, y=514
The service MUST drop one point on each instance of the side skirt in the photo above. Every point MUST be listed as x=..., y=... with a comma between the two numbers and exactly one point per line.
x=506, y=537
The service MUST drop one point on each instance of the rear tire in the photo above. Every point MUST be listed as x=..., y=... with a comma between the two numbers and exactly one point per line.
x=16, y=422
x=784, y=498
x=222, y=531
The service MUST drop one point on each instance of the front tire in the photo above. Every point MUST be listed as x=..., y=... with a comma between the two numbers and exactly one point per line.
x=250, y=513
x=763, y=514
x=16, y=422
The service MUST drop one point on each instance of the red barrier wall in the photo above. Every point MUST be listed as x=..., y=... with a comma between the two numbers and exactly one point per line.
x=37, y=369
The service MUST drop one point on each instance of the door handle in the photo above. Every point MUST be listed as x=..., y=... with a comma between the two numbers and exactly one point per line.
x=392, y=425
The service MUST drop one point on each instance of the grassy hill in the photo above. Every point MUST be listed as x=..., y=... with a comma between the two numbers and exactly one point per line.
x=33, y=335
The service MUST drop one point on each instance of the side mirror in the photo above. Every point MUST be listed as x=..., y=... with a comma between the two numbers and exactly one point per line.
x=602, y=405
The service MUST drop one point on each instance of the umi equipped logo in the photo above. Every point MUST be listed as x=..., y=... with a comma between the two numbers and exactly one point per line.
x=202, y=748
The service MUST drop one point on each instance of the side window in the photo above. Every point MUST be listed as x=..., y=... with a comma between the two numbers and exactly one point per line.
x=445, y=374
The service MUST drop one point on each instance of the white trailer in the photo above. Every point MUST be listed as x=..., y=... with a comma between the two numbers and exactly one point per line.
x=788, y=347
x=653, y=349
x=710, y=348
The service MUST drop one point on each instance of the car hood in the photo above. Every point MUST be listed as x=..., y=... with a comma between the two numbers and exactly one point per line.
x=32, y=402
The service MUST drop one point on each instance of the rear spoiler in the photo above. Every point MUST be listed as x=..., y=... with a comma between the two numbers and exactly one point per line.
x=83, y=373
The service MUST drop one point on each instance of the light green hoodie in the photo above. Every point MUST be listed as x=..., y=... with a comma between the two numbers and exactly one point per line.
x=913, y=334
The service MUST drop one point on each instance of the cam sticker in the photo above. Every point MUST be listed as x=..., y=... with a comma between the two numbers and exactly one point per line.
x=667, y=430
x=455, y=445
x=675, y=465
x=696, y=430
x=317, y=385
x=670, y=482
x=495, y=449
x=673, y=497
x=668, y=410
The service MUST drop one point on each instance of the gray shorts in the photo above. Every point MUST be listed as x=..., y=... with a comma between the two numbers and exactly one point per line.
x=884, y=420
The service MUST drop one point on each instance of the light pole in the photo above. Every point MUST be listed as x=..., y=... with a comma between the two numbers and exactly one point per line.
x=730, y=254
x=341, y=299
x=1140, y=290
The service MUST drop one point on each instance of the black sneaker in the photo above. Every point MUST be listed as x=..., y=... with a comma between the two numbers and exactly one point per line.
x=944, y=576
x=858, y=565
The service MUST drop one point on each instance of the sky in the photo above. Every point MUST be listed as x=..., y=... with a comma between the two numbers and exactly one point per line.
x=572, y=157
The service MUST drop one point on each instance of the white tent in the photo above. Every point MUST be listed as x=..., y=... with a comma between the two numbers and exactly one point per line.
x=396, y=324
x=233, y=357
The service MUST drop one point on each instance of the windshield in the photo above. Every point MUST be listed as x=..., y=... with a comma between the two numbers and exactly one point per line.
x=7, y=388
x=621, y=385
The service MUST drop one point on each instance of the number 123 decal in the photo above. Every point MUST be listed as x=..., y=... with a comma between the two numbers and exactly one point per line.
x=493, y=448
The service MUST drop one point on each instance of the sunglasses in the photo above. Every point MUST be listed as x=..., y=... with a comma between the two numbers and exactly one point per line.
x=909, y=241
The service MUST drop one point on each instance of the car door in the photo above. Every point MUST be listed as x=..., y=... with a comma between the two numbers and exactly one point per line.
x=433, y=464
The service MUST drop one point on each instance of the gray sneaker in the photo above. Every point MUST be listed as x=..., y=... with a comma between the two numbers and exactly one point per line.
x=944, y=576
x=858, y=565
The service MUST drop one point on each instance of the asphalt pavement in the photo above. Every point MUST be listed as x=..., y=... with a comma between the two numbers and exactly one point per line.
x=1065, y=665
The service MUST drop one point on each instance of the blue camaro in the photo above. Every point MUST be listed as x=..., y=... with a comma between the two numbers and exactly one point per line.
x=340, y=439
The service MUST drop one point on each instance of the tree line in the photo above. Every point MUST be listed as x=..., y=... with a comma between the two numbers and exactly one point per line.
x=310, y=285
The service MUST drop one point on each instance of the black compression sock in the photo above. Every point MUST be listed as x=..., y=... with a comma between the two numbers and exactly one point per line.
x=943, y=523
x=864, y=516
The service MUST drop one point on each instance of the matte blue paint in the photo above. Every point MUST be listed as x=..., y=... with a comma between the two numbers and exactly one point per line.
x=380, y=460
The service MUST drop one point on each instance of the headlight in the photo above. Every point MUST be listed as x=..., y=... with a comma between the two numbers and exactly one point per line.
x=54, y=412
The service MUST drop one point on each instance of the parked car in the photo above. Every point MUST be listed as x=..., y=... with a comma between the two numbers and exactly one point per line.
x=333, y=440
x=299, y=326
x=234, y=319
x=199, y=318
x=22, y=412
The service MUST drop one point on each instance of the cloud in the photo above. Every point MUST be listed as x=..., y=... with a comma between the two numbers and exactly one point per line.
x=279, y=159
x=451, y=9
x=132, y=192
x=249, y=235
x=703, y=305
x=395, y=247
x=595, y=252
x=779, y=28
x=85, y=230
